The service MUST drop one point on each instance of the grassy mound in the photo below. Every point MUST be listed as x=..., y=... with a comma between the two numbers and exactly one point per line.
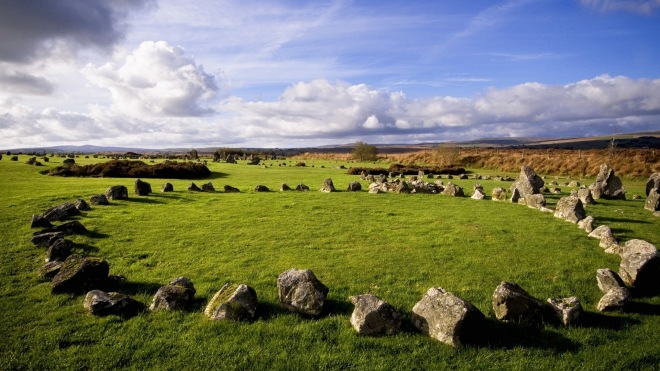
x=134, y=169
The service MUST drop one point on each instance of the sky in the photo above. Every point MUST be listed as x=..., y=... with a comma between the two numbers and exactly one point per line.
x=282, y=74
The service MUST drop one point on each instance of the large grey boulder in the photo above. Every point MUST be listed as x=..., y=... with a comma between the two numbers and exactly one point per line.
x=59, y=250
x=142, y=188
x=80, y=274
x=300, y=291
x=615, y=299
x=584, y=194
x=640, y=266
x=653, y=183
x=607, y=186
x=230, y=189
x=587, y=224
x=570, y=209
x=39, y=221
x=567, y=310
x=328, y=186
x=118, y=192
x=233, y=302
x=373, y=316
x=354, y=186
x=604, y=234
x=99, y=200
x=61, y=212
x=653, y=200
x=208, y=187
x=534, y=201
x=607, y=279
x=478, y=194
x=100, y=303
x=447, y=318
x=513, y=304
x=452, y=189
x=498, y=194
x=528, y=182
x=176, y=295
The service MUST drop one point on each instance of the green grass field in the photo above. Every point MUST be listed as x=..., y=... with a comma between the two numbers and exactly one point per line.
x=395, y=246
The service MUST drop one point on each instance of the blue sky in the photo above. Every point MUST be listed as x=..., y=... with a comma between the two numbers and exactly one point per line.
x=203, y=73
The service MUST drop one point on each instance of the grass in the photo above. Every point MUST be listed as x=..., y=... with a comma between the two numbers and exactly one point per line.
x=394, y=246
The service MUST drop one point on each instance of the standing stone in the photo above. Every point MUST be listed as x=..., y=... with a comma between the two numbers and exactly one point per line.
x=453, y=190
x=46, y=239
x=535, y=201
x=118, y=192
x=567, y=310
x=478, y=194
x=230, y=189
x=100, y=303
x=614, y=299
x=59, y=250
x=570, y=209
x=653, y=200
x=194, y=187
x=302, y=188
x=354, y=186
x=640, y=266
x=284, y=187
x=81, y=205
x=498, y=194
x=653, y=183
x=300, y=291
x=261, y=188
x=528, y=182
x=99, y=200
x=373, y=316
x=208, y=187
x=142, y=188
x=607, y=279
x=176, y=295
x=232, y=302
x=584, y=194
x=39, y=221
x=402, y=187
x=328, y=186
x=607, y=186
x=587, y=224
x=80, y=274
x=513, y=304
x=61, y=212
x=167, y=187
x=447, y=318
x=604, y=234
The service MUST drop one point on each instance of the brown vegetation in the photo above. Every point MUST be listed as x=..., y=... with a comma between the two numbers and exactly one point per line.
x=631, y=163
x=135, y=169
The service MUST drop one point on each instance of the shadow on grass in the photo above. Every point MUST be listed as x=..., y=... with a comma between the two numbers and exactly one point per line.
x=94, y=234
x=144, y=200
x=336, y=307
x=86, y=248
x=642, y=308
x=214, y=175
x=500, y=335
x=622, y=220
x=267, y=311
x=603, y=321
x=134, y=288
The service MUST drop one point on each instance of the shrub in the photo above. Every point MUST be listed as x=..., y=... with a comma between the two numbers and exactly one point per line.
x=365, y=152
x=135, y=169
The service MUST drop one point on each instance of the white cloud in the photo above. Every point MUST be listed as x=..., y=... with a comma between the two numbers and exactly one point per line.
x=156, y=79
x=645, y=7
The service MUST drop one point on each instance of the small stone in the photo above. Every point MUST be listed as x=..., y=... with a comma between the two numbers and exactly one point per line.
x=167, y=187
x=100, y=303
x=513, y=304
x=230, y=189
x=300, y=291
x=328, y=186
x=614, y=299
x=587, y=224
x=176, y=295
x=567, y=310
x=261, y=188
x=373, y=316
x=608, y=279
x=232, y=302
x=354, y=186
x=208, y=187
x=99, y=200
x=39, y=221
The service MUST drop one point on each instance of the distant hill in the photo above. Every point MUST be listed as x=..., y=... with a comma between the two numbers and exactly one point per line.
x=629, y=140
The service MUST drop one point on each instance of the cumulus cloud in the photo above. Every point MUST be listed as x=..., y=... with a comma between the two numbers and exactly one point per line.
x=33, y=28
x=156, y=79
x=338, y=110
x=645, y=7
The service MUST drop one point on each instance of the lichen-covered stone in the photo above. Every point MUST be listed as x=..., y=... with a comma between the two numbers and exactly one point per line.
x=570, y=209
x=328, y=186
x=604, y=234
x=208, y=187
x=614, y=299
x=447, y=318
x=373, y=316
x=354, y=186
x=300, y=291
x=232, y=302
x=61, y=212
x=100, y=303
x=167, y=187
x=39, y=221
x=513, y=304
x=118, y=192
x=607, y=279
x=607, y=186
x=176, y=295
x=640, y=266
x=567, y=310
x=142, y=188
x=587, y=224
x=498, y=194
x=80, y=274
x=99, y=200
x=652, y=202
x=454, y=190
x=59, y=250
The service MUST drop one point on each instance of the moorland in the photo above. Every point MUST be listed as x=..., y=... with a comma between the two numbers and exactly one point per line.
x=395, y=246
